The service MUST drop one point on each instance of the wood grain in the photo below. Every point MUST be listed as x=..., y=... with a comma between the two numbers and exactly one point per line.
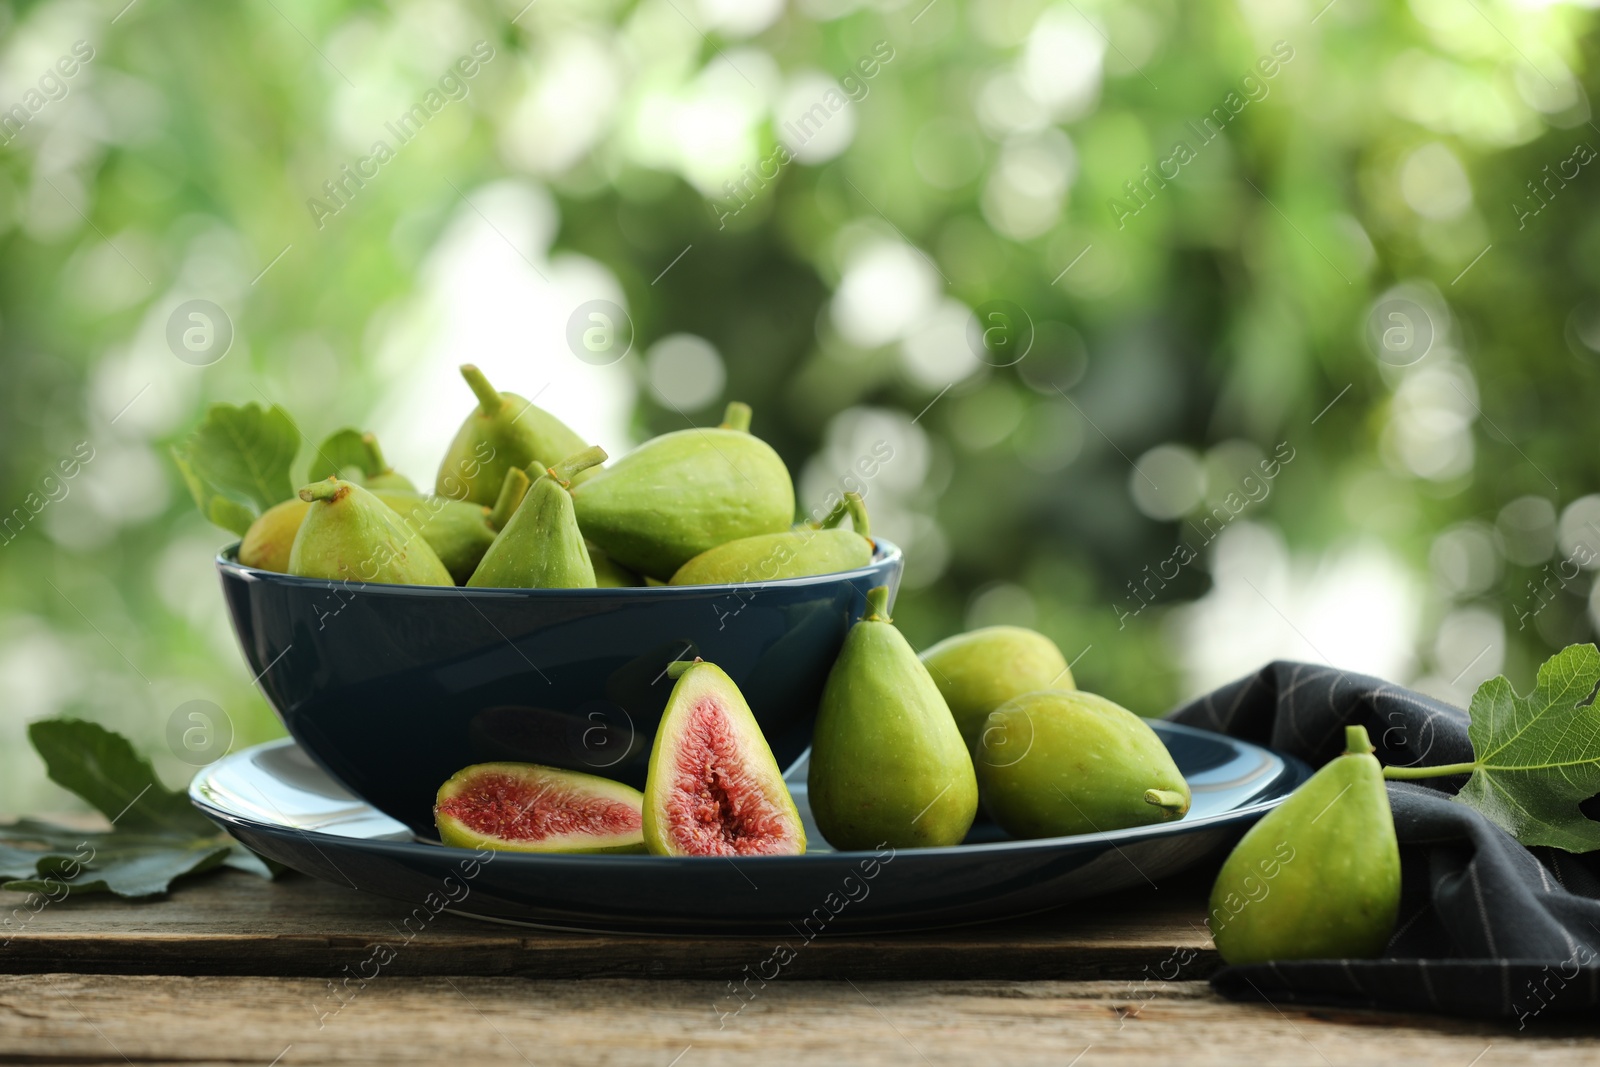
x=105, y=1019
x=233, y=923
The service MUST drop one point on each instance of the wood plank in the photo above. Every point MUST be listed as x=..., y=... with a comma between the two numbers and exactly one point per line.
x=105, y=1019
x=233, y=923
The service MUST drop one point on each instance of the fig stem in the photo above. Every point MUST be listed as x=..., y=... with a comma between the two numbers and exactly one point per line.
x=570, y=467
x=1401, y=774
x=832, y=518
x=328, y=491
x=1356, y=741
x=677, y=667
x=512, y=490
x=489, y=399
x=878, y=605
x=374, y=456
x=1166, y=798
x=858, y=513
x=737, y=417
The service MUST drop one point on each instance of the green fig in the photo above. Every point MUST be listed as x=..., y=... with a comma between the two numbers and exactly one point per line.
x=608, y=573
x=888, y=765
x=350, y=535
x=1319, y=876
x=712, y=787
x=1060, y=762
x=267, y=542
x=978, y=671
x=540, y=547
x=677, y=495
x=523, y=807
x=808, y=549
x=502, y=432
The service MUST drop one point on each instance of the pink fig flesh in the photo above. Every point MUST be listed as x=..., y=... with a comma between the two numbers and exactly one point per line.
x=523, y=807
x=714, y=788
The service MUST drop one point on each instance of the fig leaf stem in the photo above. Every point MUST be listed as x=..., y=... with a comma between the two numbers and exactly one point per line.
x=1401, y=774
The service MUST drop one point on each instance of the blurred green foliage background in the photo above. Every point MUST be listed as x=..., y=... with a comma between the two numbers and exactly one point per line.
x=1371, y=276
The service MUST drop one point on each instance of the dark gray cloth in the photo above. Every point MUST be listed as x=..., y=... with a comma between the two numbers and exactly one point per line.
x=1487, y=926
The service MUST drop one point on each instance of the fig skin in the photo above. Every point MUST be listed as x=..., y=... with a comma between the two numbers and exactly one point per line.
x=502, y=432
x=888, y=765
x=608, y=573
x=810, y=548
x=458, y=834
x=754, y=766
x=978, y=671
x=1061, y=762
x=1319, y=876
x=267, y=543
x=350, y=535
x=677, y=495
x=540, y=547
x=458, y=533
x=770, y=557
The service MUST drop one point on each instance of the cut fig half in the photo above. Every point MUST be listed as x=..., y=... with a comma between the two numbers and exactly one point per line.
x=523, y=807
x=713, y=788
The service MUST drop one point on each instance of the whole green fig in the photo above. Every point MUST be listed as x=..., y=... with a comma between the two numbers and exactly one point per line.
x=350, y=535
x=1319, y=876
x=502, y=432
x=976, y=672
x=267, y=542
x=887, y=762
x=1060, y=762
x=677, y=495
x=812, y=548
x=540, y=547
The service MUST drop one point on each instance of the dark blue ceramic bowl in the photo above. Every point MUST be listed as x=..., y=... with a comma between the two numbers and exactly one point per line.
x=393, y=688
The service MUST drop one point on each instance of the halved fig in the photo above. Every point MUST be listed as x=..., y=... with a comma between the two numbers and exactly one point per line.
x=713, y=788
x=523, y=807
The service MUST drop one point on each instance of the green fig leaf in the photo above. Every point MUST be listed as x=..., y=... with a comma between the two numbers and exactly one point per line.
x=128, y=870
x=342, y=450
x=236, y=463
x=156, y=835
x=1538, y=756
x=101, y=767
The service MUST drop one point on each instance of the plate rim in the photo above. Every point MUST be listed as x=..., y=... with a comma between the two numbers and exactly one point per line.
x=1297, y=770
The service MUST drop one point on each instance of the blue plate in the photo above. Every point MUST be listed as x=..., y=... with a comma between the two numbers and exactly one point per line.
x=282, y=804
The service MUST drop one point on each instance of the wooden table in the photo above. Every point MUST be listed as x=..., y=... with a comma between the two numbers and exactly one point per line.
x=233, y=970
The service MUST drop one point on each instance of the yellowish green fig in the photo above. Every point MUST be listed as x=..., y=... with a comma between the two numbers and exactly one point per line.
x=269, y=539
x=350, y=535
x=808, y=549
x=677, y=495
x=608, y=573
x=523, y=807
x=888, y=765
x=502, y=432
x=1319, y=876
x=1061, y=762
x=540, y=547
x=978, y=671
x=713, y=787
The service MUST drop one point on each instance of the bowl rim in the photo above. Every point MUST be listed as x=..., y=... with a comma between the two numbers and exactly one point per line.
x=886, y=557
